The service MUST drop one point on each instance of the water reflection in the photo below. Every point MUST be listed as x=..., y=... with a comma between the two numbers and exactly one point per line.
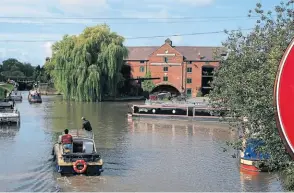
x=256, y=181
x=8, y=132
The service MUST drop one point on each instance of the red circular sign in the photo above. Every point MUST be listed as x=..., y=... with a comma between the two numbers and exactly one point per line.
x=284, y=98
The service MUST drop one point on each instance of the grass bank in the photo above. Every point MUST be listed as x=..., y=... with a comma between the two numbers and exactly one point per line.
x=5, y=87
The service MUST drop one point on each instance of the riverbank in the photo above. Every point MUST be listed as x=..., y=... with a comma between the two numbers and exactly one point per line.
x=5, y=87
x=48, y=89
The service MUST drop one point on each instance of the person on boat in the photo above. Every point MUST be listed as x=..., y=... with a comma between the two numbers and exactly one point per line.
x=66, y=140
x=86, y=124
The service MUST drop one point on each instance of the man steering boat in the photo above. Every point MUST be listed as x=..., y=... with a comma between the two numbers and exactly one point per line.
x=86, y=125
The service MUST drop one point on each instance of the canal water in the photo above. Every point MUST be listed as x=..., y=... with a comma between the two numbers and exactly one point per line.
x=139, y=155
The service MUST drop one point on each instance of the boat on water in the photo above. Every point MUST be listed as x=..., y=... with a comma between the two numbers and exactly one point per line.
x=81, y=159
x=34, y=96
x=9, y=113
x=250, y=158
x=172, y=111
x=15, y=95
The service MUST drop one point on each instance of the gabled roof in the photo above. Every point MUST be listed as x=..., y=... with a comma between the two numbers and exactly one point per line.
x=189, y=52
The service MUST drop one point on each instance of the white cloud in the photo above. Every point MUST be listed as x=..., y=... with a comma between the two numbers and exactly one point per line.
x=39, y=8
x=23, y=8
x=20, y=54
x=177, y=40
x=163, y=13
x=49, y=21
x=158, y=9
x=197, y=2
x=30, y=36
x=47, y=48
x=83, y=7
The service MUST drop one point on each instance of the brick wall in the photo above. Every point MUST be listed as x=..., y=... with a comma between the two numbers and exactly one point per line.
x=166, y=61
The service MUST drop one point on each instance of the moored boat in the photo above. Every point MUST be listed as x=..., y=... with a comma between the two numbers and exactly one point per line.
x=82, y=158
x=15, y=95
x=8, y=113
x=34, y=97
x=200, y=113
x=250, y=158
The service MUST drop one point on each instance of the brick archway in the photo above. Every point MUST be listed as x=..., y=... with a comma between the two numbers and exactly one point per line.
x=166, y=87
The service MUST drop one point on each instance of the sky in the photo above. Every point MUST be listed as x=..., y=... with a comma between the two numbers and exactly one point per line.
x=31, y=20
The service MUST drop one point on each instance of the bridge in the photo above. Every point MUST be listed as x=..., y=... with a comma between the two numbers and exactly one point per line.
x=25, y=81
x=20, y=79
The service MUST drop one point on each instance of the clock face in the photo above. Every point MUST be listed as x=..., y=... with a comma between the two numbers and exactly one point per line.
x=166, y=51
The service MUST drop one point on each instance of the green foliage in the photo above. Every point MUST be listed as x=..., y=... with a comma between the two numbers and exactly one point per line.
x=148, y=85
x=88, y=65
x=244, y=82
x=4, y=89
x=199, y=94
x=49, y=69
x=13, y=68
x=41, y=75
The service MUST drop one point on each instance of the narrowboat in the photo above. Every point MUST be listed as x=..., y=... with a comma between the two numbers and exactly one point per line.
x=81, y=159
x=34, y=97
x=250, y=159
x=8, y=113
x=170, y=111
x=15, y=95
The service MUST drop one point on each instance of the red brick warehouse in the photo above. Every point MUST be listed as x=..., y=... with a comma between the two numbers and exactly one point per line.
x=180, y=68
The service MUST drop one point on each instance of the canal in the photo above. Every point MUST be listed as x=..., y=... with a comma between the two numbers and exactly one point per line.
x=139, y=155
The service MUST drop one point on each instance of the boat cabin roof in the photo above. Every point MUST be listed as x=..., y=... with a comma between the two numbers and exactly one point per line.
x=80, y=134
x=4, y=105
x=167, y=106
x=34, y=92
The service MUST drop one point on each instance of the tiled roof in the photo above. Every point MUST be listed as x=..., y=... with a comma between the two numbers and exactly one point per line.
x=141, y=52
x=189, y=52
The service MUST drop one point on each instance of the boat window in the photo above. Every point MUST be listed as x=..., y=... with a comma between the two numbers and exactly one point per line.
x=171, y=111
x=201, y=112
x=77, y=147
x=83, y=147
x=163, y=111
x=88, y=147
x=136, y=109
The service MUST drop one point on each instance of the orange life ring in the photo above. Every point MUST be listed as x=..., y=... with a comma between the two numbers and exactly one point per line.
x=78, y=162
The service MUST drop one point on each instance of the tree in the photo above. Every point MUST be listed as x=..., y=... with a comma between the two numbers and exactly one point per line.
x=244, y=82
x=49, y=69
x=88, y=65
x=11, y=64
x=148, y=85
x=14, y=68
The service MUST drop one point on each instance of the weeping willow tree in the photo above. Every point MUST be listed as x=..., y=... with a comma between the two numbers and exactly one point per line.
x=88, y=65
